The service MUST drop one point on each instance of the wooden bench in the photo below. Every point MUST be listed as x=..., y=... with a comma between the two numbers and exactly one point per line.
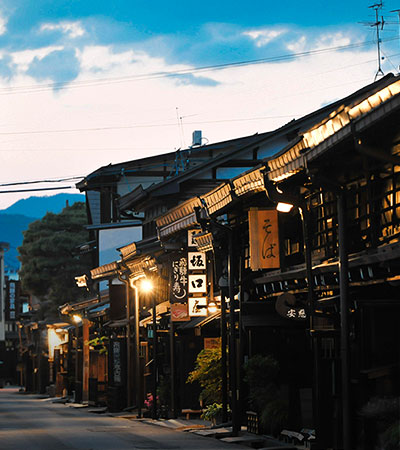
x=189, y=412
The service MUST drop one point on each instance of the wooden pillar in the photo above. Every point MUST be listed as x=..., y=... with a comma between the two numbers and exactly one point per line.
x=85, y=378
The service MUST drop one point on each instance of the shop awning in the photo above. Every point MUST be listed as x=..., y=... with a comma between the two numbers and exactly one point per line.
x=98, y=310
x=384, y=253
x=161, y=308
x=110, y=270
x=199, y=321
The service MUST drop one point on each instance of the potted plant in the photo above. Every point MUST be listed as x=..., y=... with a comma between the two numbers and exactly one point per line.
x=213, y=413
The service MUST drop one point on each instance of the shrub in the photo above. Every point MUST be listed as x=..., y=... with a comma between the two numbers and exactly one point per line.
x=262, y=377
x=208, y=373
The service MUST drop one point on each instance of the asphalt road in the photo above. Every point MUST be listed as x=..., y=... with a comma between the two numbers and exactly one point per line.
x=30, y=423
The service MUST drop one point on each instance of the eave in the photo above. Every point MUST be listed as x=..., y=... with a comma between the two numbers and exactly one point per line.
x=339, y=125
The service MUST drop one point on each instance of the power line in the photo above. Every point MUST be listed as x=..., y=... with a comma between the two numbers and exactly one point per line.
x=37, y=189
x=155, y=75
x=124, y=127
x=60, y=180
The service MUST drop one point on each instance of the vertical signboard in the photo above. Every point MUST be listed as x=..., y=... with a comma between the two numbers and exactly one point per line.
x=197, y=283
x=11, y=305
x=179, y=280
x=197, y=306
x=264, y=239
x=190, y=237
x=196, y=261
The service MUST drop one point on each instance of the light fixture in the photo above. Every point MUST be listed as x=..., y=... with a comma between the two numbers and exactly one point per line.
x=212, y=307
x=76, y=318
x=284, y=207
x=146, y=285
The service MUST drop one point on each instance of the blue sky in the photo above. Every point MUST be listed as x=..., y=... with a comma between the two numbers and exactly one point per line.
x=69, y=86
x=201, y=33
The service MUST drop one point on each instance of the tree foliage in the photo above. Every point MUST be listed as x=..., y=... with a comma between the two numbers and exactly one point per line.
x=49, y=258
x=208, y=373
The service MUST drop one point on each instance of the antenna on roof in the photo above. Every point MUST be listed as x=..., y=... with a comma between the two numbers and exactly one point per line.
x=378, y=24
x=180, y=126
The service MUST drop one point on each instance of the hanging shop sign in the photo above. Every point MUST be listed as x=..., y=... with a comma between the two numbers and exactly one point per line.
x=212, y=343
x=197, y=284
x=289, y=307
x=179, y=282
x=197, y=306
x=190, y=237
x=264, y=239
x=179, y=312
x=196, y=261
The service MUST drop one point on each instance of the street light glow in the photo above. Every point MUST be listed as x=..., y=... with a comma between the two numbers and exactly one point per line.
x=76, y=318
x=212, y=307
x=146, y=285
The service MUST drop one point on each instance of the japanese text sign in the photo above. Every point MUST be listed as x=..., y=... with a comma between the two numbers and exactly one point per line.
x=264, y=239
x=197, y=306
x=179, y=279
x=196, y=261
x=197, y=284
x=190, y=237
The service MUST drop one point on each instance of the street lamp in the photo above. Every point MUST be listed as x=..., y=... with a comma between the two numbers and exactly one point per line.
x=148, y=286
x=77, y=319
x=145, y=286
x=212, y=307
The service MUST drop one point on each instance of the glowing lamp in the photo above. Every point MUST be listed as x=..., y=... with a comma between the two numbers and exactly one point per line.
x=284, y=207
x=76, y=318
x=146, y=285
x=212, y=307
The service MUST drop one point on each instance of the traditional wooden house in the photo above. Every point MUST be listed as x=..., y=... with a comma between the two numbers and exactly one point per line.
x=318, y=284
x=311, y=283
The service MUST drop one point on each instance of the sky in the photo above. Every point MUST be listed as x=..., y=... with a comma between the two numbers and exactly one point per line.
x=86, y=83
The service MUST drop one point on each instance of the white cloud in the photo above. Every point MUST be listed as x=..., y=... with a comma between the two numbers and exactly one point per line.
x=135, y=118
x=297, y=46
x=321, y=41
x=24, y=58
x=73, y=29
x=332, y=40
x=3, y=23
x=264, y=36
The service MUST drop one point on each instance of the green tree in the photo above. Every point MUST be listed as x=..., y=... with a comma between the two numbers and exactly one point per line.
x=49, y=260
x=208, y=373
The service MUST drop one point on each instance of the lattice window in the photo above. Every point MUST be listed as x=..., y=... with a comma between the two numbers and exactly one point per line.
x=323, y=224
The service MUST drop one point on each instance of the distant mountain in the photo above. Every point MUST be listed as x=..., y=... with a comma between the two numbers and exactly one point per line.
x=38, y=206
x=16, y=219
x=11, y=228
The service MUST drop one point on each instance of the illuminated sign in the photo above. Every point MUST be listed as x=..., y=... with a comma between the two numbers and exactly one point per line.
x=264, y=239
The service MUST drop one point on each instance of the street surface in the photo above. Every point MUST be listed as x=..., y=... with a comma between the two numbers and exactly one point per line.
x=30, y=423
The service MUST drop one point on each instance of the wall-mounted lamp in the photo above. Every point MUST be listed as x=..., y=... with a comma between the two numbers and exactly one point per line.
x=212, y=307
x=76, y=318
x=284, y=207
